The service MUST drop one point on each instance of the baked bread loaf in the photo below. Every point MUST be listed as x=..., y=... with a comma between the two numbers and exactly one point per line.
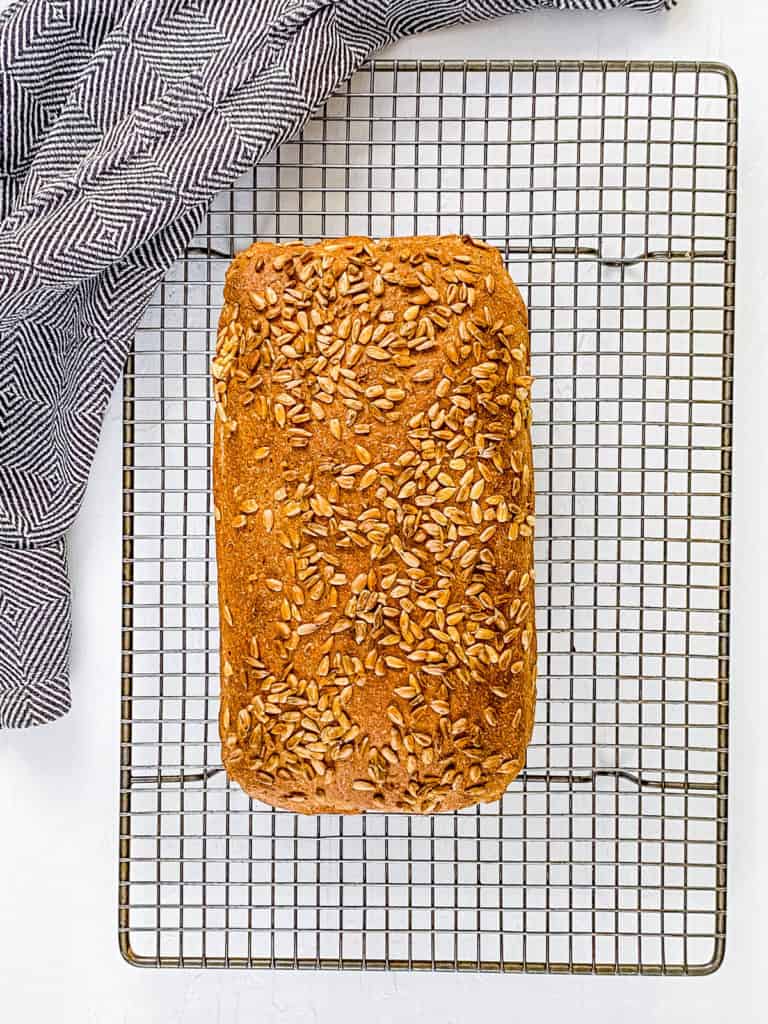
x=374, y=506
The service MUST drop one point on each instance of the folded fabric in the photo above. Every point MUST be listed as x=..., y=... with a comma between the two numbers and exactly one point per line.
x=119, y=121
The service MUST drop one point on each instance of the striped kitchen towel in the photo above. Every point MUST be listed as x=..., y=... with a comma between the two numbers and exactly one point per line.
x=119, y=121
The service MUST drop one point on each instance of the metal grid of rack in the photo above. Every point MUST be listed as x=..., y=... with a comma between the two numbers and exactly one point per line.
x=610, y=190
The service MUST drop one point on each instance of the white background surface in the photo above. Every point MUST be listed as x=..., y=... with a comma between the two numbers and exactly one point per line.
x=59, y=784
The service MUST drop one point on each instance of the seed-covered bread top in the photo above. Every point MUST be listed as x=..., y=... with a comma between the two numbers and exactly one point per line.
x=374, y=512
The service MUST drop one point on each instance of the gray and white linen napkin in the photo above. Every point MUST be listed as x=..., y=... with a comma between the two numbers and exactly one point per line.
x=119, y=121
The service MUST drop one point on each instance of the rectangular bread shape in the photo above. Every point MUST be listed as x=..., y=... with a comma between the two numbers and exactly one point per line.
x=374, y=506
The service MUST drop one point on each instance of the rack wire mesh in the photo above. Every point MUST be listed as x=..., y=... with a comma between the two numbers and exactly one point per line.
x=610, y=190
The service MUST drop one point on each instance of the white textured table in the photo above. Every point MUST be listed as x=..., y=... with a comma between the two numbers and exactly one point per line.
x=59, y=785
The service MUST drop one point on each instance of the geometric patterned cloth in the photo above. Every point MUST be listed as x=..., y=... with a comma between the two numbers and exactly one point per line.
x=119, y=122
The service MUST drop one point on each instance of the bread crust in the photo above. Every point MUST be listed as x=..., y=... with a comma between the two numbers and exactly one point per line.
x=373, y=491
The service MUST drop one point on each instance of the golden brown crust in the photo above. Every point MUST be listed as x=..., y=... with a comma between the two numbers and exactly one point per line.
x=374, y=516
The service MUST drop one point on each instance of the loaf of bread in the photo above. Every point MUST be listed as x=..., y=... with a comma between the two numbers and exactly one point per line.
x=373, y=496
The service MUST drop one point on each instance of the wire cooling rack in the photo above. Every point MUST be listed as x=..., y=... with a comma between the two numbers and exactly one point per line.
x=610, y=190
